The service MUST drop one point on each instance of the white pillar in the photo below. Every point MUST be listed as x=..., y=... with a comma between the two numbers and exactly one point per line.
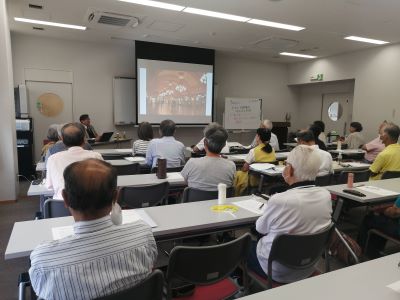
x=8, y=149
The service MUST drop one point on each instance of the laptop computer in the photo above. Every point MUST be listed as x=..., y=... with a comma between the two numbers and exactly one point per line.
x=106, y=136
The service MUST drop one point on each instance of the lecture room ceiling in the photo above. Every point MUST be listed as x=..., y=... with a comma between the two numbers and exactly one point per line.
x=326, y=24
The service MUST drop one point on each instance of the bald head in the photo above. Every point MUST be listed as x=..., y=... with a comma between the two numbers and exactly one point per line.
x=73, y=134
x=267, y=124
x=90, y=186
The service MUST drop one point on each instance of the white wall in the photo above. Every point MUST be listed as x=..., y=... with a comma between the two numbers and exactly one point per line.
x=8, y=156
x=94, y=65
x=377, y=90
x=310, y=99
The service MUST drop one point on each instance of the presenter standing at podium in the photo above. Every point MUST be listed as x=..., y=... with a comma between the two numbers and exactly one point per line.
x=90, y=131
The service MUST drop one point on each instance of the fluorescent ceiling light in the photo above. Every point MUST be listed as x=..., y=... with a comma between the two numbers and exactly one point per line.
x=365, y=40
x=275, y=25
x=50, y=23
x=156, y=4
x=215, y=14
x=297, y=55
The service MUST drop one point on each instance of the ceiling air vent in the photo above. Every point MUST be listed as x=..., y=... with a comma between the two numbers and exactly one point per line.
x=113, y=19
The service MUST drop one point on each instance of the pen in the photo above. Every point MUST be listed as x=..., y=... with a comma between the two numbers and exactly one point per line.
x=261, y=206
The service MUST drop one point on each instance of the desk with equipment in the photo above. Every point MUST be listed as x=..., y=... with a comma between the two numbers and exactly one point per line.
x=174, y=179
x=374, y=191
x=172, y=222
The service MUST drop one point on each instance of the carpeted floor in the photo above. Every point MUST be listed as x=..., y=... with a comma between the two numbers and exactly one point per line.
x=21, y=210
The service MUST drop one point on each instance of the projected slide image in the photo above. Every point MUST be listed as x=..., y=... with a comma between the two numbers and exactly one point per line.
x=172, y=92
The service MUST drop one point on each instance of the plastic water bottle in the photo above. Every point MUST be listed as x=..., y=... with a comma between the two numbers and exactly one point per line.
x=221, y=193
x=339, y=158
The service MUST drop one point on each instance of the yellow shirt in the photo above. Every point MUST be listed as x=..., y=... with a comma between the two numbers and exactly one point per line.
x=387, y=160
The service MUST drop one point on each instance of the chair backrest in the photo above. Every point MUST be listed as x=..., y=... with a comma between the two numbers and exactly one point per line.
x=359, y=176
x=129, y=169
x=150, y=288
x=390, y=174
x=54, y=208
x=194, y=195
x=169, y=170
x=207, y=265
x=324, y=180
x=309, y=248
x=143, y=196
x=113, y=156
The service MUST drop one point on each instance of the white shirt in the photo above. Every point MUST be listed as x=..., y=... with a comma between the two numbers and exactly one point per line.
x=57, y=163
x=326, y=161
x=200, y=146
x=299, y=210
x=99, y=259
x=273, y=142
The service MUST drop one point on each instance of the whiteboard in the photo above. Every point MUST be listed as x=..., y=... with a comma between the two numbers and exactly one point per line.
x=124, y=95
x=242, y=113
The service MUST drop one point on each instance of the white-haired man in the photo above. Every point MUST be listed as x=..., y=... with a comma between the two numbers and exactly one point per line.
x=267, y=124
x=303, y=209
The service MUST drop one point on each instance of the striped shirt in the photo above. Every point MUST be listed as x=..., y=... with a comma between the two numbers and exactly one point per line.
x=140, y=147
x=99, y=259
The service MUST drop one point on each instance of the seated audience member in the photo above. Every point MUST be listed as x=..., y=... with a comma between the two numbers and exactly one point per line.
x=60, y=146
x=99, y=258
x=316, y=130
x=322, y=135
x=145, y=134
x=267, y=124
x=302, y=209
x=200, y=145
x=89, y=129
x=387, y=222
x=355, y=139
x=389, y=158
x=263, y=153
x=166, y=147
x=306, y=137
x=374, y=147
x=73, y=136
x=207, y=172
x=52, y=138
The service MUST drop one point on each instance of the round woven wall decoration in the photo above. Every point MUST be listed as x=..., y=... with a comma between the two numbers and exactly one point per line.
x=49, y=104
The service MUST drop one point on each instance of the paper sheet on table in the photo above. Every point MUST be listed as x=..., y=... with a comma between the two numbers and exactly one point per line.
x=123, y=150
x=251, y=205
x=136, y=159
x=175, y=176
x=128, y=216
x=261, y=166
x=357, y=164
x=377, y=190
x=62, y=232
x=238, y=156
x=133, y=215
x=395, y=286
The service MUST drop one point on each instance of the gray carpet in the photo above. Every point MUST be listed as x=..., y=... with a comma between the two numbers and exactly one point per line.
x=22, y=210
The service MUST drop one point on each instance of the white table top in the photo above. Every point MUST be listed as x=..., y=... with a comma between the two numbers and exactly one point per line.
x=114, y=151
x=174, y=178
x=366, y=281
x=241, y=157
x=388, y=184
x=348, y=151
x=173, y=221
x=349, y=166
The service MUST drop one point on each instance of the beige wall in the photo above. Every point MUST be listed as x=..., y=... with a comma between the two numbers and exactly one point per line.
x=8, y=156
x=94, y=64
x=377, y=90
